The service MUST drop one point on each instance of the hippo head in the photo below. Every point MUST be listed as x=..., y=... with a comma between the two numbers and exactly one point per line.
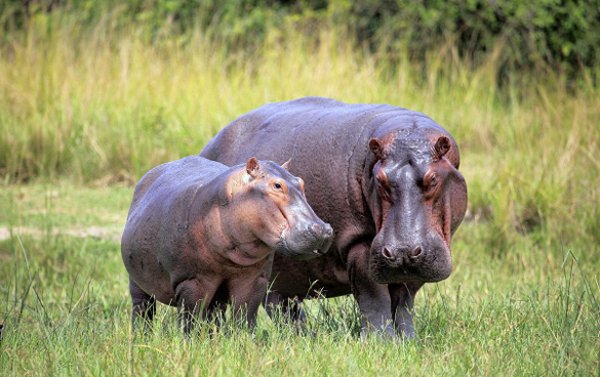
x=282, y=218
x=417, y=198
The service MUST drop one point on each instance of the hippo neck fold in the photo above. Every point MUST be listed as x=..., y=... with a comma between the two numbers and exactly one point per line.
x=223, y=227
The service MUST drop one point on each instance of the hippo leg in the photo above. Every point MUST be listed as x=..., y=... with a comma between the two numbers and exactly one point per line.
x=290, y=307
x=373, y=299
x=143, y=305
x=217, y=309
x=192, y=298
x=246, y=295
x=403, y=296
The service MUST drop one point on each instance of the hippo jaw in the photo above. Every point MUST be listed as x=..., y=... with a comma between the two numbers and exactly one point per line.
x=305, y=243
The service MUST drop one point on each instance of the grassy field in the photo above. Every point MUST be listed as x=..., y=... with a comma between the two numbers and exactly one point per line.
x=65, y=307
x=84, y=113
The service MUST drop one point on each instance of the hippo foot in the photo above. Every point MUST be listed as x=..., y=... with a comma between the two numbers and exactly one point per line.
x=385, y=333
x=407, y=333
x=143, y=307
x=288, y=309
x=404, y=323
x=401, y=332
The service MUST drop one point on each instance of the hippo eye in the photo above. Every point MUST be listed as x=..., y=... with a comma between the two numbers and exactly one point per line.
x=277, y=186
x=433, y=181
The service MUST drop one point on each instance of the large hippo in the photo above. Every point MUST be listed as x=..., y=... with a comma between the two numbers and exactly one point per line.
x=384, y=177
x=200, y=234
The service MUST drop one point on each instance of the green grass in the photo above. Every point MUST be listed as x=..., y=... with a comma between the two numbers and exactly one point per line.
x=84, y=112
x=65, y=308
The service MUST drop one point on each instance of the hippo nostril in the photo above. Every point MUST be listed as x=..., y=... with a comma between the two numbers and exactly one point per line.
x=316, y=229
x=328, y=230
x=416, y=252
x=387, y=253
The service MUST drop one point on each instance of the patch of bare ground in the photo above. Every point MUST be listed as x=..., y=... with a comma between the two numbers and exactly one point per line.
x=100, y=232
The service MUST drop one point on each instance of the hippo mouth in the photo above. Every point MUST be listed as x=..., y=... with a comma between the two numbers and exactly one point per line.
x=384, y=274
x=300, y=249
x=427, y=270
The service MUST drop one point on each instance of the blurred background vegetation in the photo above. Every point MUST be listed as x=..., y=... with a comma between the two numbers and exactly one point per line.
x=562, y=34
x=98, y=92
x=94, y=93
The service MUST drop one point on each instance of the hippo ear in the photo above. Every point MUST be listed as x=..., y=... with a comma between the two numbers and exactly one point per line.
x=442, y=146
x=286, y=165
x=377, y=147
x=252, y=167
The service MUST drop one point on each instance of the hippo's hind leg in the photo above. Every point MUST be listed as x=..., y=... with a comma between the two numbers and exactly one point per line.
x=143, y=305
x=246, y=295
x=289, y=308
x=193, y=298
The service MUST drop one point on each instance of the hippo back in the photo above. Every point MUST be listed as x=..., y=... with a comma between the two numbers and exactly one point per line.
x=169, y=182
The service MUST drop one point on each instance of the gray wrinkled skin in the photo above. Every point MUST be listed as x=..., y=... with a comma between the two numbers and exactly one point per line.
x=386, y=180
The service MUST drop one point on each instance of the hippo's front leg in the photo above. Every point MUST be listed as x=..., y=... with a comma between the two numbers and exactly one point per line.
x=247, y=293
x=193, y=298
x=403, y=295
x=373, y=299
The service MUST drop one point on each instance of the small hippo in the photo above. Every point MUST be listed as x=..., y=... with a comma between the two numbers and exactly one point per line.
x=200, y=234
x=384, y=177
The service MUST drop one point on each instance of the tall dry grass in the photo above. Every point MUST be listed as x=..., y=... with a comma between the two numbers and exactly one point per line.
x=103, y=104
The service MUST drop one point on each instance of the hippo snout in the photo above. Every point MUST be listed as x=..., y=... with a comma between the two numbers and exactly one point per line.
x=323, y=232
x=428, y=261
x=308, y=240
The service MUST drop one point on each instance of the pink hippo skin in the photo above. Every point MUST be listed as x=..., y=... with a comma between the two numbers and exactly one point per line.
x=200, y=234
